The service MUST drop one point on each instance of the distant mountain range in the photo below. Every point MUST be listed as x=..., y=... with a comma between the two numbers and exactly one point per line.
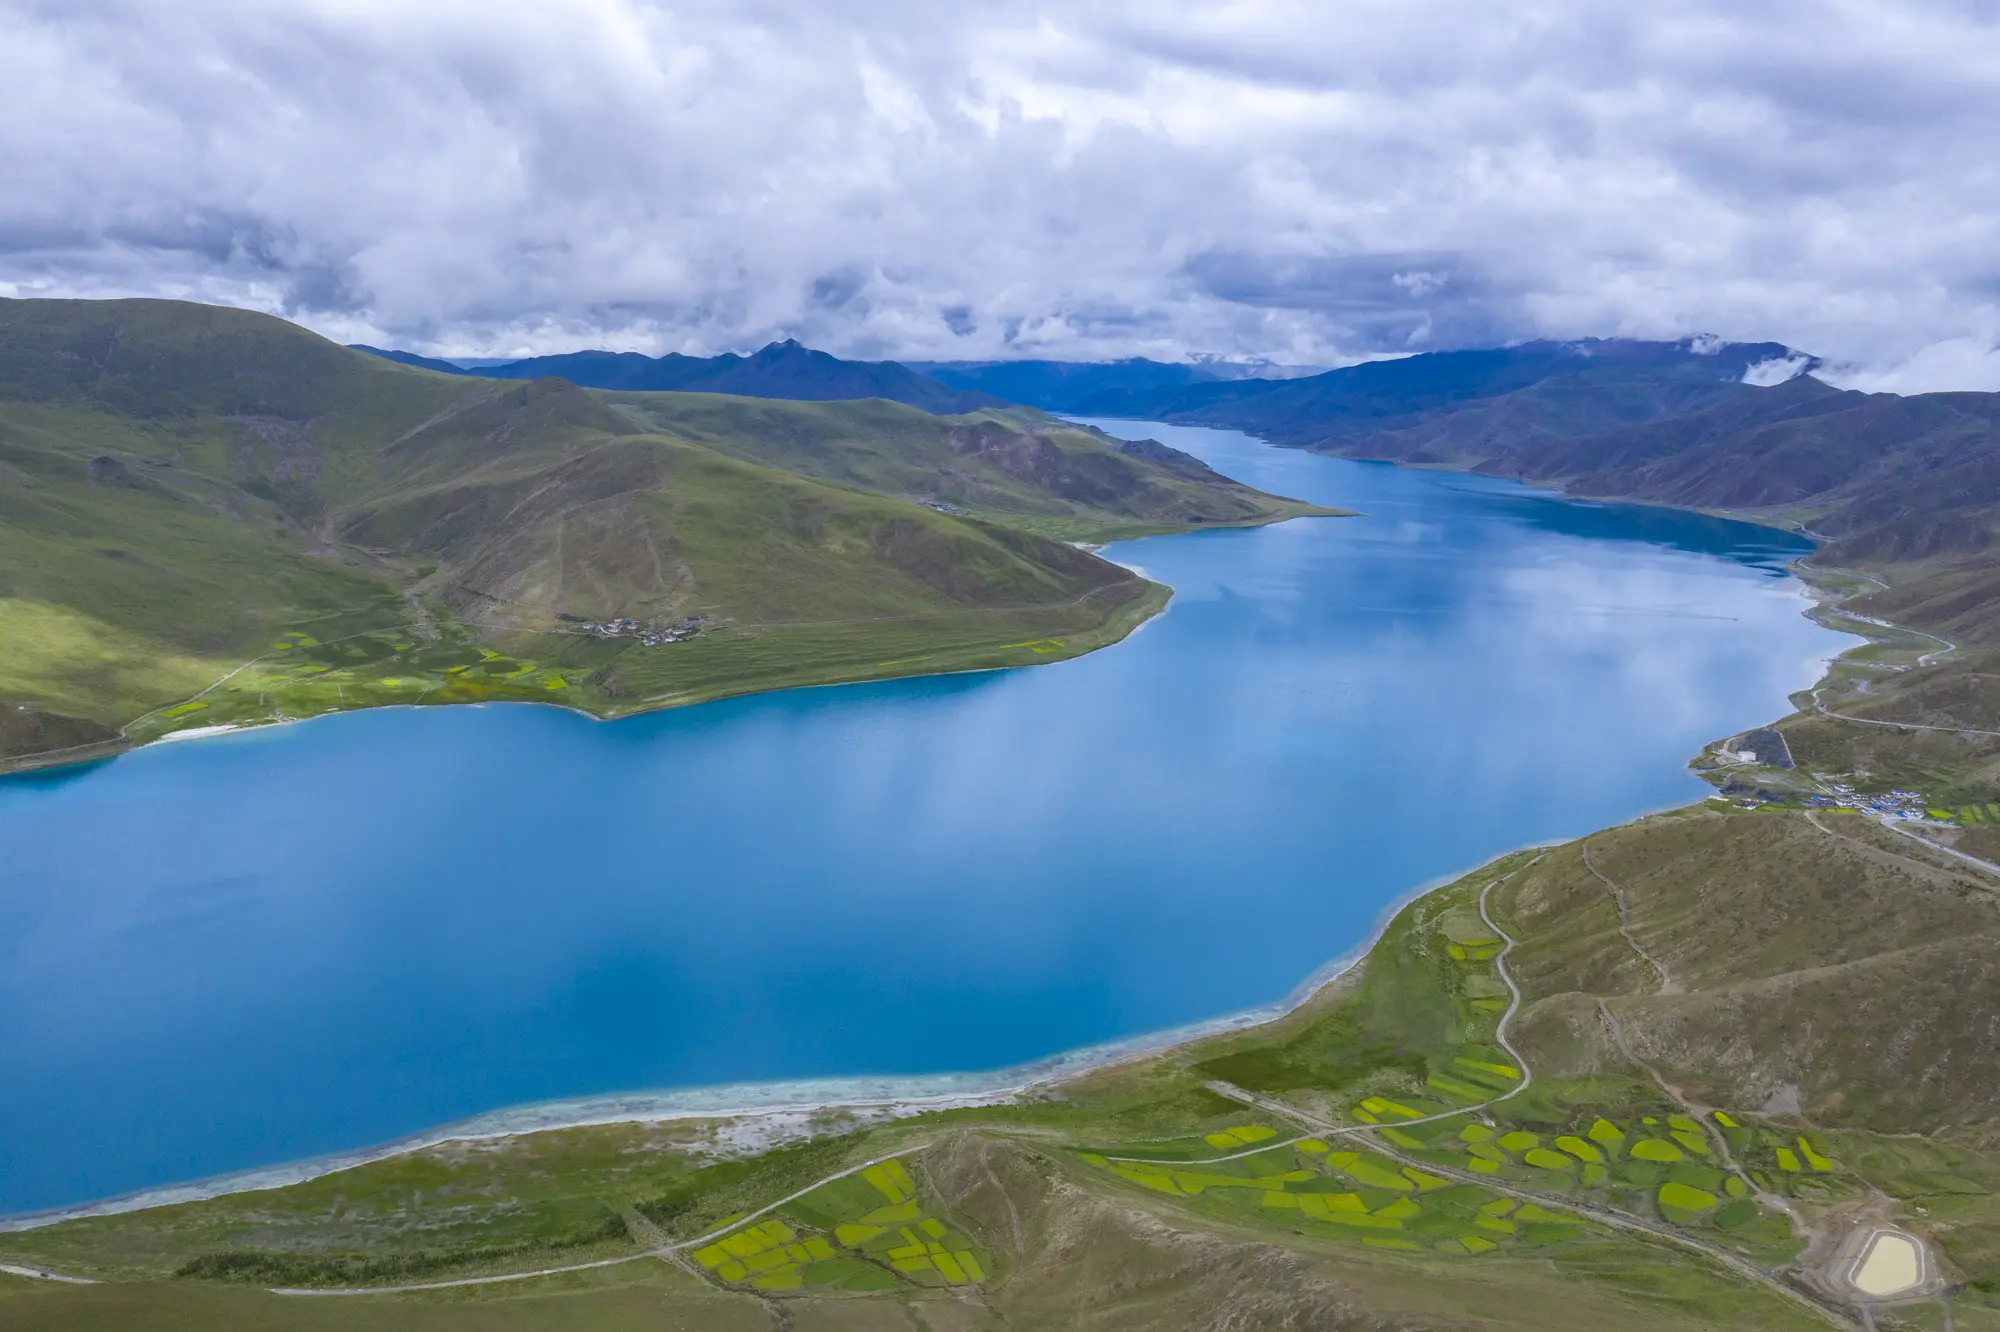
x=1908, y=487
x=1133, y=387
x=1373, y=389
x=1623, y=380
x=784, y=370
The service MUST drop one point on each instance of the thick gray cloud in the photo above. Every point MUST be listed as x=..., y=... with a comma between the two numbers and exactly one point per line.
x=1291, y=179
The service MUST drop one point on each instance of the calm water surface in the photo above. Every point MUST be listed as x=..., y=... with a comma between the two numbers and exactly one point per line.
x=230, y=952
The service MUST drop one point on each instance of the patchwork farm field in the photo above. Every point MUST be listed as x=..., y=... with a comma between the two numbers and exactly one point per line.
x=868, y=1231
x=1466, y=1156
x=1309, y=1186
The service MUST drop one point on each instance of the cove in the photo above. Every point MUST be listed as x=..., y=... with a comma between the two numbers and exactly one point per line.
x=224, y=953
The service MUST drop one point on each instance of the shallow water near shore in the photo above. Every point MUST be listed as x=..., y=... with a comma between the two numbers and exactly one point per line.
x=277, y=944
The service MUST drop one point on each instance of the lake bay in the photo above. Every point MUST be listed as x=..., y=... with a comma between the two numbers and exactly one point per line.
x=258, y=947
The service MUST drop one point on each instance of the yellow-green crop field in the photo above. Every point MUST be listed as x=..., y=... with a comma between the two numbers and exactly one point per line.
x=868, y=1231
x=1667, y=1166
x=1313, y=1187
x=1463, y=1113
x=1661, y=1167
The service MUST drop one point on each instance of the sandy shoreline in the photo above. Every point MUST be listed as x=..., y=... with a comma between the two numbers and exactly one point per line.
x=883, y=1098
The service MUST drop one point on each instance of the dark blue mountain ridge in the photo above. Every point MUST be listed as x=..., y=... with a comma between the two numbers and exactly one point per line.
x=1085, y=388
x=1642, y=381
x=1372, y=389
x=410, y=358
x=785, y=370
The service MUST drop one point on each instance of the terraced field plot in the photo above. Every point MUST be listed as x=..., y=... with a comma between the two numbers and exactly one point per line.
x=1314, y=1187
x=1471, y=949
x=868, y=1231
x=1473, y=1075
x=1771, y=1156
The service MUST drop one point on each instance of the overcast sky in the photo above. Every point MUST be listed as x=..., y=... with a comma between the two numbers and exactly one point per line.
x=1308, y=182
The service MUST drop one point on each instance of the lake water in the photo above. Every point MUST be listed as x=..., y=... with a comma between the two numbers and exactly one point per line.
x=255, y=948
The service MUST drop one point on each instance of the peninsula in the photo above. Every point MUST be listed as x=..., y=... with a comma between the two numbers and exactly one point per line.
x=216, y=518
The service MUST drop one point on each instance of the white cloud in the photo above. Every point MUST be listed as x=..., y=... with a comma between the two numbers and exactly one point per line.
x=1777, y=370
x=1953, y=364
x=1279, y=178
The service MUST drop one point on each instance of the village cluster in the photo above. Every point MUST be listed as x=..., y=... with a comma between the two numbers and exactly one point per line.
x=651, y=636
x=1894, y=804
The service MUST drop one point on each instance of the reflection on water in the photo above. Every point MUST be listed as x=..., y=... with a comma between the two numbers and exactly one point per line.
x=235, y=951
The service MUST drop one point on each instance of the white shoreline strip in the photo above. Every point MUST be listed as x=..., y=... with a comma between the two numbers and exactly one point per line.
x=42, y=1274
x=195, y=733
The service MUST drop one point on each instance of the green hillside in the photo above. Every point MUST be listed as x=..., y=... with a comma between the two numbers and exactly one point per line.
x=213, y=517
x=1013, y=465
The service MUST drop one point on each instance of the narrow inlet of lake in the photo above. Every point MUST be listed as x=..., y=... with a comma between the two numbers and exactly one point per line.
x=235, y=951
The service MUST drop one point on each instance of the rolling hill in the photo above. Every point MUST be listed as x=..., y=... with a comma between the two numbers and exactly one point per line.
x=1012, y=465
x=213, y=517
x=784, y=370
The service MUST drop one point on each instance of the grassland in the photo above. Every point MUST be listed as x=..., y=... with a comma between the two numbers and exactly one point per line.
x=1012, y=465
x=212, y=517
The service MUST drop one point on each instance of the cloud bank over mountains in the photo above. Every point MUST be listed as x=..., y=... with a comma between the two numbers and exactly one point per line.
x=1291, y=179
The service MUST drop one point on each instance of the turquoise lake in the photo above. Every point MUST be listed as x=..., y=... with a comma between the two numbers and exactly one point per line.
x=229, y=952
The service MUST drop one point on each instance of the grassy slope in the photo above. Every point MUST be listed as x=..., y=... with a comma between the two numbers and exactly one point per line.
x=1016, y=464
x=192, y=491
